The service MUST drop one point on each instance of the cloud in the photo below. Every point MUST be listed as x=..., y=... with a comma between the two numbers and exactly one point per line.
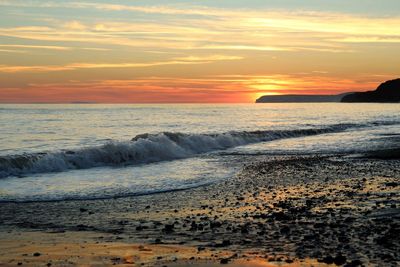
x=36, y=46
x=223, y=88
x=113, y=7
x=74, y=25
x=16, y=48
x=206, y=28
x=208, y=58
x=376, y=39
x=95, y=49
x=76, y=66
x=11, y=51
x=247, y=47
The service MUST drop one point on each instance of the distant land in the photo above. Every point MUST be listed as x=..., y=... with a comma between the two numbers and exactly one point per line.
x=387, y=92
x=300, y=98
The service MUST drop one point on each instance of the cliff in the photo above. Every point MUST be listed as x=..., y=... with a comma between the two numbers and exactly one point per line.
x=299, y=98
x=387, y=92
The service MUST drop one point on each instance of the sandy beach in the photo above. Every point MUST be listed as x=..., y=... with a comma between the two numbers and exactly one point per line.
x=278, y=211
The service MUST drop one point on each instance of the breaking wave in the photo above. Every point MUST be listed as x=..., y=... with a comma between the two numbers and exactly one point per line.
x=148, y=148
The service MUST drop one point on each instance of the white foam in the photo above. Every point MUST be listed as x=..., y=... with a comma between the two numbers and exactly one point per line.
x=146, y=148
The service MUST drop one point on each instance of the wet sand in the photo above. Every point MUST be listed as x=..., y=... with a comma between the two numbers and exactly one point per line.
x=291, y=210
x=28, y=248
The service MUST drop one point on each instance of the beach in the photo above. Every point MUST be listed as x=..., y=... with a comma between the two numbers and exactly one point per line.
x=179, y=133
x=282, y=210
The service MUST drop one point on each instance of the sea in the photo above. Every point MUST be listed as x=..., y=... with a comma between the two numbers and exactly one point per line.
x=54, y=152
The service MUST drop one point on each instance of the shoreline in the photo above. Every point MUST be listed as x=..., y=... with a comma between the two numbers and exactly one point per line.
x=330, y=209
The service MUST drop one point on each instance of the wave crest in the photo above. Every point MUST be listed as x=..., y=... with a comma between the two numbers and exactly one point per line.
x=146, y=148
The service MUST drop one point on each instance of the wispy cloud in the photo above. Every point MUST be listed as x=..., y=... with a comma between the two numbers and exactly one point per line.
x=76, y=66
x=369, y=39
x=208, y=58
x=259, y=30
x=50, y=47
x=11, y=51
x=170, y=10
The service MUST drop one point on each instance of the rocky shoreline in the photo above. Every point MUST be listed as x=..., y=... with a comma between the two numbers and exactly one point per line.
x=335, y=209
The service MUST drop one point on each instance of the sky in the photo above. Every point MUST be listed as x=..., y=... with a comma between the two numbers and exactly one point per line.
x=157, y=51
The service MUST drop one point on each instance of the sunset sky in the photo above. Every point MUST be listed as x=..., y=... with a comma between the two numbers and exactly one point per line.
x=193, y=51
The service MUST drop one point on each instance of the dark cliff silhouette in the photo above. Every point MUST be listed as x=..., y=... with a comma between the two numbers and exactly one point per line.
x=300, y=98
x=387, y=92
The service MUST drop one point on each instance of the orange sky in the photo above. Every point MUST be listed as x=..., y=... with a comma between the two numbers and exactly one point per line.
x=150, y=52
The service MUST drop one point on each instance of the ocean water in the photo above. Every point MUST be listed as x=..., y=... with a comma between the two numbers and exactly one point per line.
x=57, y=152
